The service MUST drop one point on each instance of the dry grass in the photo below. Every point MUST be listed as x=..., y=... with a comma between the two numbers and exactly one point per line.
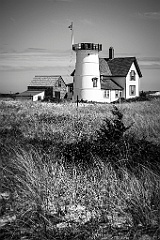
x=48, y=187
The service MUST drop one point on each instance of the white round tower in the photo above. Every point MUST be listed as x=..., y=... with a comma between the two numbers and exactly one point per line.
x=87, y=76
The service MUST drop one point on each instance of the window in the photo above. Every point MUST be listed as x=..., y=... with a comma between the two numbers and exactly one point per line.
x=106, y=93
x=94, y=80
x=59, y=83
x=132, y=90
x=132, y=75
x=116, y=94
x=71, y=88
x=57, y=95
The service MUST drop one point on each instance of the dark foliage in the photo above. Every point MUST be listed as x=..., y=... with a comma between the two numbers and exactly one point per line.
x=40, y=229
x=114, y=145
x=106, y=144
x=142, y=97
x=112, y=130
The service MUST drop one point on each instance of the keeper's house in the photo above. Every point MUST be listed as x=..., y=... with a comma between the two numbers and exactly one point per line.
x=104, y=79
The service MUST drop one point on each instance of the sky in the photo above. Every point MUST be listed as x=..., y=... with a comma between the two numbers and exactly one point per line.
x=35, y=38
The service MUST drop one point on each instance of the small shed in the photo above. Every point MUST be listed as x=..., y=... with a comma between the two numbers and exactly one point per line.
x=53, y=86
x=31, y=95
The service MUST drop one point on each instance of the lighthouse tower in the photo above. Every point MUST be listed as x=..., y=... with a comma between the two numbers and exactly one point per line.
x=87, y=76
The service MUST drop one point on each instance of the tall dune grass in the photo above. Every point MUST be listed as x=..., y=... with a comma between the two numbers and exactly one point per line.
x=45, y=194
x=79, y=168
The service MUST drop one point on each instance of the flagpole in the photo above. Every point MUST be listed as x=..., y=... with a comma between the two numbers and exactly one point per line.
x=72, y=34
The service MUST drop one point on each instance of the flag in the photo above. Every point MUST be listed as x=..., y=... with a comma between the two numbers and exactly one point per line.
x=71, y=26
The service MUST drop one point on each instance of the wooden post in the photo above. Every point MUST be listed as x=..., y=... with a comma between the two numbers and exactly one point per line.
x=1, y=175
x=77, y=100
x=77, y=107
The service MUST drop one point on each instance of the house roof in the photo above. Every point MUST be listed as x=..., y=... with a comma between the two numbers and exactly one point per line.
x=118, y=66
x=29, y=93
x=104, y=67
x=109, y=84
x=45, y=80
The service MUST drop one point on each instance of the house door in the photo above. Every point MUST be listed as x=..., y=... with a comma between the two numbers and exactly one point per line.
x=57, y=95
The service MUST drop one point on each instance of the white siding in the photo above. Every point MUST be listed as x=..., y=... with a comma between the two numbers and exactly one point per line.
x=122, y=82
x=126, y=82
x=87, y=67
x=132, y=82
x=41, y=95
x=112, y=96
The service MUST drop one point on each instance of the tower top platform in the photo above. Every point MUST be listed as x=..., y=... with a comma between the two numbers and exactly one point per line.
x=87, y=46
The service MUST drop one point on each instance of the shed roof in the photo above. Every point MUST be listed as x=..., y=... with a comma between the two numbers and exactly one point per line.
x=109, y=84
x=118, y=66
x=29, y=93
x=45, y=80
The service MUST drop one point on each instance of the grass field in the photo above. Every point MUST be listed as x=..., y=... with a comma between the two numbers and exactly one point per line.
x=79, y=173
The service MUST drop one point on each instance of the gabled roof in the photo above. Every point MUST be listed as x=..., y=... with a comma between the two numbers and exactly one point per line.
x=118, y=67
x=109, y=84
x=45, y=80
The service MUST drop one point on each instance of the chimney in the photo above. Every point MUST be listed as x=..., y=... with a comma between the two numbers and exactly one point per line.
x=111, y=53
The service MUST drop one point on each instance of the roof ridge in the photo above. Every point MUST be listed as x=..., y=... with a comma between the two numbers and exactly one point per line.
x=48, y=76
x=106, y=58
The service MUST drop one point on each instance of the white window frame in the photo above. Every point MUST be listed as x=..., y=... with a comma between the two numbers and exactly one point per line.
x=106, y=93
x=116, y=93
x=132, y=75
x=95, y=80
x=132, y=90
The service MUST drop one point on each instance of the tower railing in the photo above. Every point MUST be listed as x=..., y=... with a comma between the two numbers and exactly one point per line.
x=87, y=46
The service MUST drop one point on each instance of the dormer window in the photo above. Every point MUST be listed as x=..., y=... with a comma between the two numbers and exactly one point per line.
x=132, y=75
x=94, y=80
